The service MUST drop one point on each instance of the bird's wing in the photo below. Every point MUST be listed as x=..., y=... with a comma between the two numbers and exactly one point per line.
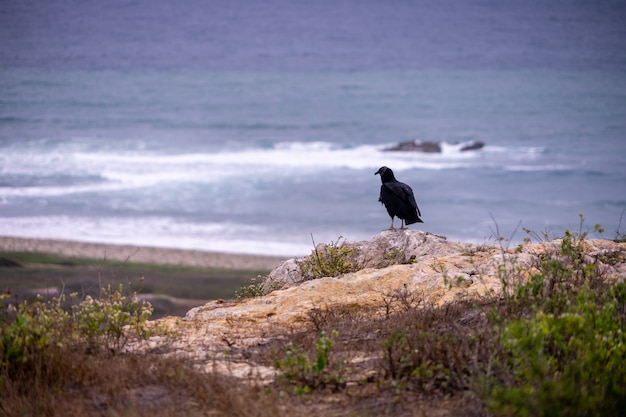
x=410, y=197
x=404, y=193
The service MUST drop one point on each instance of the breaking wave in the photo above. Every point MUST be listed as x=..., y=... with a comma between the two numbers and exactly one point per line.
x=29, y=171
x=165, y=232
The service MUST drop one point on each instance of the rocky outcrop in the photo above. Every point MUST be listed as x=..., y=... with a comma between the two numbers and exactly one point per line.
x=391, y=247
x=416, y=266
x=432, y=147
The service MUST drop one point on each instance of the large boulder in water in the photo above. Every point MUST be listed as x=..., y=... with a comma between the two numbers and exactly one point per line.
x=473, y=145
x=432, y=147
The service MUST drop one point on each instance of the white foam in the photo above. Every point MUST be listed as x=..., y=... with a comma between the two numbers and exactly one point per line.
x=537, y=168
x=155, y=232
x=284, y=154
x=59, y=190
x=132, y=169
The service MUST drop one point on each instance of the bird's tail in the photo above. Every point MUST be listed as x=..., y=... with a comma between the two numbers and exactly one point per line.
x=413, y=220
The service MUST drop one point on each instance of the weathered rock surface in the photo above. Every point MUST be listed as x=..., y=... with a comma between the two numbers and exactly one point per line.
x=431, y=268
x=391, y=247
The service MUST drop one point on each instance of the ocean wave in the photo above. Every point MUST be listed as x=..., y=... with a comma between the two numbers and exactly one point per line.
x=162, y=232
x=285, y=154
x=61, y=190
x=538, y=168
x=526, y=151
x=108, y=168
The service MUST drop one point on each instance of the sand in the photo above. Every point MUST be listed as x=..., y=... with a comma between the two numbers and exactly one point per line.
x=140, y=254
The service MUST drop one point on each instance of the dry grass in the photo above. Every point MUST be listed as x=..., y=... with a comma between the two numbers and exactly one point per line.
x=79, y=384
x=377, y=355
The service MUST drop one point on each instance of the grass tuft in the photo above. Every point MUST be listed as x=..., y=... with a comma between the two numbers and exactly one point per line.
x=329, y=260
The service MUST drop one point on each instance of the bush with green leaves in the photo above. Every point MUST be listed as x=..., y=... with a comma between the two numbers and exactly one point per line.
x=34, y=333
x=31, y=332
x=108, y=322
x=564, y=351
x=568, y=363
x=297, y=370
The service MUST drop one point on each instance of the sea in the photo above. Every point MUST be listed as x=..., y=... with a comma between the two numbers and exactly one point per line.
x=256, y=127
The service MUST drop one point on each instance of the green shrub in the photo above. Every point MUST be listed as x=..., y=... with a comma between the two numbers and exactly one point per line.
x=563, y=339
x=34, y=333
x=257, y=287
x=109, y=322
x=299, y=371
x=31, y=333
x=329, y=260
x=571, y=363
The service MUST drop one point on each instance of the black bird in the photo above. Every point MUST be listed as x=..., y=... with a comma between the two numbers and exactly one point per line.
x=398, y=199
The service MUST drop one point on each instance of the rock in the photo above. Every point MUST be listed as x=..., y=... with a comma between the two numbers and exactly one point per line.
x=392, y=261
x=472, y=146
x=415, y=146
x=287, y=274
x=433, y=147
x=409, y=266
x=390, y=247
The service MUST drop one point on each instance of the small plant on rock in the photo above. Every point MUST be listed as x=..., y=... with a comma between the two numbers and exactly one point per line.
x=331, y=260
x=257, y=287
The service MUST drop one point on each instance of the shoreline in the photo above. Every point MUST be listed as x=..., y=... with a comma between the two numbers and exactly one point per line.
x=140, y=254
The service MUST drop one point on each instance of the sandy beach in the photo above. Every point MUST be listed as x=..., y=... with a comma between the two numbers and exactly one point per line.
x=140, y=254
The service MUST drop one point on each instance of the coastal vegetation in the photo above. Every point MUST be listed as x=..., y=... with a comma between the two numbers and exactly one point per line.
x=552, y=343
x=171, y=289
x=329, y=260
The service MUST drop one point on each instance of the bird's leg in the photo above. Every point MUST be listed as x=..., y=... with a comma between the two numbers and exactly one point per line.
x=402, y=226
x=391, y=227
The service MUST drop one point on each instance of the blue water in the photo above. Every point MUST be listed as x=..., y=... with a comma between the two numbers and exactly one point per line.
x=247, y=128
